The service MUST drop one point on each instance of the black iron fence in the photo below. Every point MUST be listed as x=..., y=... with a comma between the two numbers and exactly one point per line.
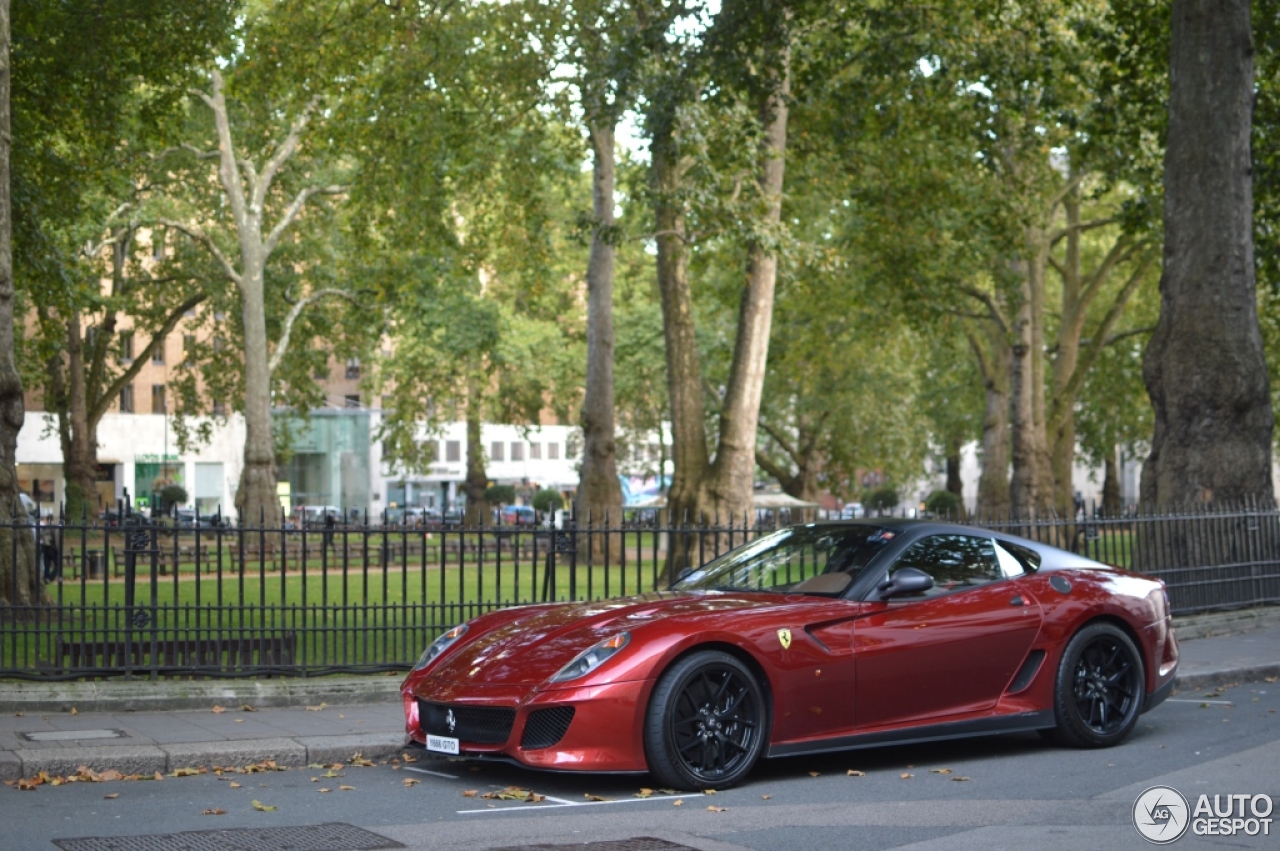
x=149, y=599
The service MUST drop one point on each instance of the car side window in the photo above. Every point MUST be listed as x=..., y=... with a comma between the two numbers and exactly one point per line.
x=956, y=562
x=1009, y=565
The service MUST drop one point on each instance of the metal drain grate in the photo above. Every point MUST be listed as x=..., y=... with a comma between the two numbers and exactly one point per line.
x=332, y=836
x=639, y=843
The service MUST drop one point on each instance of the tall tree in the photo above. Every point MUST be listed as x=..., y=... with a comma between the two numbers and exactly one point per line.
x=259, y=215
x=1205, y=369
x=749, y=47
x=19, y=584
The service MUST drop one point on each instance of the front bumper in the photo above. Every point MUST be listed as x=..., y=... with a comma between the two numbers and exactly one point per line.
x=524, y=725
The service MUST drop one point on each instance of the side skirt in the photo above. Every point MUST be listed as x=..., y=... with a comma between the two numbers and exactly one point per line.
x=1022, y=722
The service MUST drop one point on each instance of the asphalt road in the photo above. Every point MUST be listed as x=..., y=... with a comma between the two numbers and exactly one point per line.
x=1020, y=793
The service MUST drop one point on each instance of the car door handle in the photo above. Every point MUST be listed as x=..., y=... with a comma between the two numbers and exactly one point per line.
x=1017, y=601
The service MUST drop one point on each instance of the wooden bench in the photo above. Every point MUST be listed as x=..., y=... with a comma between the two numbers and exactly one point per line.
x=214, y=654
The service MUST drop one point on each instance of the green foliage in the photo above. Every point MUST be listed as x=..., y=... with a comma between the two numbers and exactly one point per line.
x=546, y=500
x=172, y=495
x=500, y=494
x=881, y=499
x=944, y=503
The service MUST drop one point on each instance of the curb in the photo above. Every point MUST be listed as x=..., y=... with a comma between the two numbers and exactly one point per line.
x=174, y=695
x=1224, y=677
x=165, y=759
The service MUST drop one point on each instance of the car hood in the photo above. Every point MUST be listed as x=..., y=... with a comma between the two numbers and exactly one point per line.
x=531, y=649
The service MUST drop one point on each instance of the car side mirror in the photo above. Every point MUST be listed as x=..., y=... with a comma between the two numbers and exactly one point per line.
x=908, y=580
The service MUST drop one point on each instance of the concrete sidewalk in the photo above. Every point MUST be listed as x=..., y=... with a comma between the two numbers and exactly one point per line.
x=145, y=727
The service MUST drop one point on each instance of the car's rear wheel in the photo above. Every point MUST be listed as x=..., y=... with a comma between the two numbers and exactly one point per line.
x=1099, y=690
x=706, y=722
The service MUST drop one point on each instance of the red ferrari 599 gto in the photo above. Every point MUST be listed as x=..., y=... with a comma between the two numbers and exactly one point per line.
x=819, y=637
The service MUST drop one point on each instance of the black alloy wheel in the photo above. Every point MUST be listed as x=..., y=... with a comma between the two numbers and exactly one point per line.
x=1100, y=688
x=705, y=726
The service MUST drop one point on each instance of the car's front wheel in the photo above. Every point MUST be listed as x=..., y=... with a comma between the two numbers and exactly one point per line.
x=706, y=722
x=1099, y=690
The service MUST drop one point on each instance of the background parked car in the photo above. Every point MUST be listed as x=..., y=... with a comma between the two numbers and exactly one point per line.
x=312, y=516
x=518, y=515
x=422, y=518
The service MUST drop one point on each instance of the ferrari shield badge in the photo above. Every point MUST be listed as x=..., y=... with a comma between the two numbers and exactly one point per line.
x=784, y=638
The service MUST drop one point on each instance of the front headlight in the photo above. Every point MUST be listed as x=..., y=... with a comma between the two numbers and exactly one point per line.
x=440, y=645
x=591, y=658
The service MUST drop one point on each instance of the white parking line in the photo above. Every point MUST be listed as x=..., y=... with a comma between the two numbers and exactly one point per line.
x=1192, y=700
x=432, y=773
x=563, y=803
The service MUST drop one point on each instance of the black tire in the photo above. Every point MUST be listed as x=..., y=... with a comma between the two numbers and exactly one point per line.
x=1099, y=690
x=706, y=723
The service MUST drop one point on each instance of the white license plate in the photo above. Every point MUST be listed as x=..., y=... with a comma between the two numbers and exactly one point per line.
x=442, y=744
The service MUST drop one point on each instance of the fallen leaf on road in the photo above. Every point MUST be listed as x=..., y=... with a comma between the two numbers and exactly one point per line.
x=708, y=791
x=940, y=771
x=316, y=708
x=331, y=774
x=409, y=781
x=235, y=785
x=158, y=776
x=323, y=790
x=111, y=797
x=247, y=708
x=906, y=775
x=765, y=797
x=346, y=788
x=469, y=793
x=716, y=809
x=960, y=778
x=815, y=773
x=75, y=711
x=677, y=803
x=644, y=793
x=216, y=811
x=263, y=808
x=407, y=758
x=19, y=715
x=187, y=772
x=218, y=710
x=239, y=720
x=358, y=759
x=591, y=797
x=853, y=772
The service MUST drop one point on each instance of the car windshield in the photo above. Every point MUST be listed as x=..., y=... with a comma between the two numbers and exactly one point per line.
x=800, y=559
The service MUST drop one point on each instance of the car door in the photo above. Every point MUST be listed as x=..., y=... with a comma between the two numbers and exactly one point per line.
x=951, y=649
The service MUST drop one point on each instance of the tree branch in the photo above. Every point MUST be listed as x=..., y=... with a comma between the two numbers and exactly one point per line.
x=157, y=339
x=1081, y=227
x=285, y=151
x=294, y=312
x=203, y=238
x=993, y=309
x=294, y=208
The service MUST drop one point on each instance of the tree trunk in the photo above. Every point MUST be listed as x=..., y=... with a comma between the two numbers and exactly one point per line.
x=684, y=369
x=599, y=492
x=993, y=357
x=1204, y=368
x=19, y=585
x=256, y=499
x=732, y=479
x=1111, y=504
x=690, y=459
x=477, y=481
x=80, y=440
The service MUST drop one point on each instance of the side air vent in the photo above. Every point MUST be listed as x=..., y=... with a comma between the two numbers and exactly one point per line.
x=1027, y=672
x=546, y=727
